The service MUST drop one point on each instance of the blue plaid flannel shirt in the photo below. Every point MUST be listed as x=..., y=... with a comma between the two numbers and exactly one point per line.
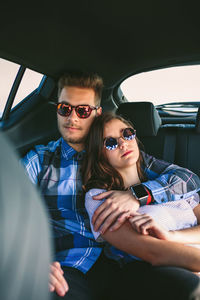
x=55, y=168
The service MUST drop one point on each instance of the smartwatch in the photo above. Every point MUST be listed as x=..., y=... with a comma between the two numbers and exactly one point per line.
x=141, y=193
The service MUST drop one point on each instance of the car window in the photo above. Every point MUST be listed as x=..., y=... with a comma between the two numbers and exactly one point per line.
x=8, y=71
x=29, y=83
x=163, y=86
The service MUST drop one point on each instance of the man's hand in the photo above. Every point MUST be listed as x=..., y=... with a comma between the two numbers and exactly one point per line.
x=57, y=282
x=117, y=207
x=145, y=224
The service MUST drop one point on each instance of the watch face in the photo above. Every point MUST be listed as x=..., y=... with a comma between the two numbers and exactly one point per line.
x=140, y=191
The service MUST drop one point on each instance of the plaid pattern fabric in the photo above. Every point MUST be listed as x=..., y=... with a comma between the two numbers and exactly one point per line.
x=55, y=168
x=169, y=182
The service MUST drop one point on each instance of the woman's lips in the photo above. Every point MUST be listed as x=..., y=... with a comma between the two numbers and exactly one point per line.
x=126, y=153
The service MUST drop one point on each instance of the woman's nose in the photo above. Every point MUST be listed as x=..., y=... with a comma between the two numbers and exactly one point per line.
x=122, y=143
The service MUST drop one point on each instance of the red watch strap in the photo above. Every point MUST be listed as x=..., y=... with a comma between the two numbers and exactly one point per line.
x=149, y=199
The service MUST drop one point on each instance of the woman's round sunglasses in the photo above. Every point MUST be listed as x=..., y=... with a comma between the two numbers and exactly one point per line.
x=111, y=143
x=83, y=111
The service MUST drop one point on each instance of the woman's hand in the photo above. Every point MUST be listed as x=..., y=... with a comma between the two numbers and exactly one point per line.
x=145, y=224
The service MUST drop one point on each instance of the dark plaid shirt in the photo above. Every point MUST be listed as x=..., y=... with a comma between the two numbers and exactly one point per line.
x=56, y=169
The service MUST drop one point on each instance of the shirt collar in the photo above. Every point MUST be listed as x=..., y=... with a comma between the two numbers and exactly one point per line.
x=69, y=153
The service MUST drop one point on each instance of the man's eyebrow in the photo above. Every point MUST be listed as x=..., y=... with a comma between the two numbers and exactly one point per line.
x=63, y=101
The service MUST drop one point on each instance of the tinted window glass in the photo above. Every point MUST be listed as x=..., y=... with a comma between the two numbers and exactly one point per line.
x=29, y=83
x=8, y=71
x=177, y=84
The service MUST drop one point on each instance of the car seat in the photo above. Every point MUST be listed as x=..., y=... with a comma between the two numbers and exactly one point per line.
x=25, y=247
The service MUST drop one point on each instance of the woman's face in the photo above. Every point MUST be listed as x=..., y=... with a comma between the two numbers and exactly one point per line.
x=127, y=152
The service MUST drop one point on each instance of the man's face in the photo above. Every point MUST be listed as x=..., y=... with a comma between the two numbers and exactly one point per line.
x=72, y=128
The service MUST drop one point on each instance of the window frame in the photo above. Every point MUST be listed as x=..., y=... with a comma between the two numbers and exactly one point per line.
x=13, y=92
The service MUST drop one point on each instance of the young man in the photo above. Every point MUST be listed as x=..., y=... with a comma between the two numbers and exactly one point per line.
x=56, y=169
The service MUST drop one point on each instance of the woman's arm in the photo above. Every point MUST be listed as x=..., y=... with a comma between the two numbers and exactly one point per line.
x=155, y=251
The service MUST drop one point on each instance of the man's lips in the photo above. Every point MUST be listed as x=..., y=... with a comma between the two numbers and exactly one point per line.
x=71, y=128
x=126, y=153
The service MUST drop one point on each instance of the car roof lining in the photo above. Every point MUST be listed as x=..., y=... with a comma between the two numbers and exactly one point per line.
x=112, y=39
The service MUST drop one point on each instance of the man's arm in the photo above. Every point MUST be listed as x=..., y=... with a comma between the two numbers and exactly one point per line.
x=32, y=165
x=189, y=235
x=168, y=182
x=115, y=208
x=57, y=282
x=155, y=251
x=165, y=181
x=185, y=236
x=151, y=249
x=146, y=225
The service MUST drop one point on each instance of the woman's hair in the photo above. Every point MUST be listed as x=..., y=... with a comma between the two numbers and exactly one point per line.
x=97, y=172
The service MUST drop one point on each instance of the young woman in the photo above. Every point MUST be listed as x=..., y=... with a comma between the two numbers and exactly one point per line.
x=114, y=161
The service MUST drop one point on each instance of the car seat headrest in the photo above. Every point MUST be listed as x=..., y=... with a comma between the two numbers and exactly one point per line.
x=143, y=115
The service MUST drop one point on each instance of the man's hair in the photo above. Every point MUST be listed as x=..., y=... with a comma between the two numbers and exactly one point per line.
x=83, y=80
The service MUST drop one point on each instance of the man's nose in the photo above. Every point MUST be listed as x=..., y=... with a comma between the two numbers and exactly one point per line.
x=73, y=116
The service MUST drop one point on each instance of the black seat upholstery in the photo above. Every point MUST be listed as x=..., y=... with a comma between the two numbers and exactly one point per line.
x=188, y=148
x=177, y=143
x=25, y=248
x=147, y=122
x=143, y=115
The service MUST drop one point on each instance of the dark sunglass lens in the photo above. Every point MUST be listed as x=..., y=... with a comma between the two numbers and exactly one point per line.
x=129, y=133
x=111, y=143
x=64, y=109
x=83, y=111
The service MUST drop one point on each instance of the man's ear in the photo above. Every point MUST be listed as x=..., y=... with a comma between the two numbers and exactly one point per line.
x=99, y=111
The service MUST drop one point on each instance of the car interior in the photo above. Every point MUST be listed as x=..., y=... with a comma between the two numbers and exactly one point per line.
x=116, y=39
x=24, y=271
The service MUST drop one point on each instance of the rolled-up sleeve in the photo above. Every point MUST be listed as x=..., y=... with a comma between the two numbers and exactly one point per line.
x=91, y=205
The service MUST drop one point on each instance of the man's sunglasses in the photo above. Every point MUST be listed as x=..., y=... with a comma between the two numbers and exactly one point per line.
x=83, y=111
x=111, y=143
